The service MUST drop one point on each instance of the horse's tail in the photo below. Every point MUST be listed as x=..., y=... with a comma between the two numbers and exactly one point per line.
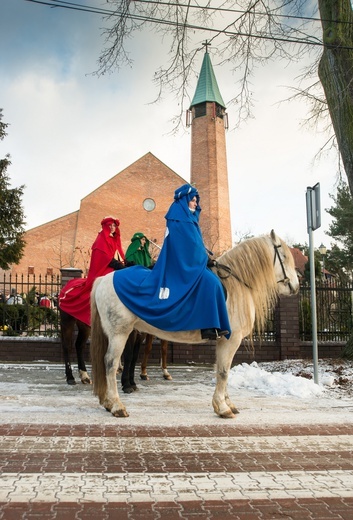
x=99, y=346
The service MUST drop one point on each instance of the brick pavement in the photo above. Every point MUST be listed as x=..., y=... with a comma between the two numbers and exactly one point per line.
x=213, y=472
x=62, y=457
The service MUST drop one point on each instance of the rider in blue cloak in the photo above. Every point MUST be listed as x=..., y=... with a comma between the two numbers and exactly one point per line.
x=180, y=293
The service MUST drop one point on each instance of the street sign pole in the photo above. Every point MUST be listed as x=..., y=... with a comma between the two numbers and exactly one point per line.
x=313, y=221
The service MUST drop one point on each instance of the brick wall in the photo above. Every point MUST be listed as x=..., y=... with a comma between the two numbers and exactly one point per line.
x=66, y=242
x=20, y=350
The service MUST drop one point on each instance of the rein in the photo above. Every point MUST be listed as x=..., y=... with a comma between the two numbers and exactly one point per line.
x=229, y=273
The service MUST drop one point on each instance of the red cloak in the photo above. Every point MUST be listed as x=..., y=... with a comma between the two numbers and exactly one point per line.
x=74, y=297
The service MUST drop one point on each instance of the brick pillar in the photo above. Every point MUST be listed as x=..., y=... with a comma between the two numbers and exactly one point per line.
x=287, y=326
x=67, y=273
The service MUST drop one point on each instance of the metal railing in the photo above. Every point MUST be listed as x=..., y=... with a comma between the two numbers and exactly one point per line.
x=28, y=305
x=334, y=306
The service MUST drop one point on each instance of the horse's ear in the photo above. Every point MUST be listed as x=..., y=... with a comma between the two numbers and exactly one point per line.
x=273, y=236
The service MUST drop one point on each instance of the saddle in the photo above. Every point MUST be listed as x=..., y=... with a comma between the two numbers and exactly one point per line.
x=213, y=264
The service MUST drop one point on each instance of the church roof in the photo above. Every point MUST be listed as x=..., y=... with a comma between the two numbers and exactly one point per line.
x=207, y=87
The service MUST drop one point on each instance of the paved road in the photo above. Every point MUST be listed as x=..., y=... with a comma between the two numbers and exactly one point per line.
x=83, y=463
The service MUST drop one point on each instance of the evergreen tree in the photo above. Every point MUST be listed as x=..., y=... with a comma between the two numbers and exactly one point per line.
x=341, y=228
x=11, y=213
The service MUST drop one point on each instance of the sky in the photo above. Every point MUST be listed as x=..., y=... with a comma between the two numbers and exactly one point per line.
x=70, y=130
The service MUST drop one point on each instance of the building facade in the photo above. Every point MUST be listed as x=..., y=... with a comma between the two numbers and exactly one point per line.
x=139, y=196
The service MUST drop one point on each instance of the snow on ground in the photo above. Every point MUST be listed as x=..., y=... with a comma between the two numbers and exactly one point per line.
x=295, y=377
x=280, y=392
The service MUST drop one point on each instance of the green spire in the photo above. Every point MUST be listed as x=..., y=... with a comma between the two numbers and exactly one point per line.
x=207, y=88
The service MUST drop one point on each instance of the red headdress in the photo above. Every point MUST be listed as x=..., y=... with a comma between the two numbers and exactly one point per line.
x=107, y=243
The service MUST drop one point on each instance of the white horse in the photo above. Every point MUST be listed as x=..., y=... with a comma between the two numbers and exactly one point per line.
x=254, y=273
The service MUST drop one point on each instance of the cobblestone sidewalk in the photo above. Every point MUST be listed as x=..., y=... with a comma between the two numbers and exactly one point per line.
x=63, y=457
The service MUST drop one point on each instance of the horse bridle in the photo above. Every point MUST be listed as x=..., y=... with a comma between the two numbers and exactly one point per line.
x=285, y=280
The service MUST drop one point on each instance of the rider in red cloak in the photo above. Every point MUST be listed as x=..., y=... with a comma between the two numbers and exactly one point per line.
x=107, y=256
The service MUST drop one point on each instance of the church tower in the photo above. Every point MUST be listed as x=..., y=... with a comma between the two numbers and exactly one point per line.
x=208, y=119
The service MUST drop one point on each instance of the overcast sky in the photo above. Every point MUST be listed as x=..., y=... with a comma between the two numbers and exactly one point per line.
x=71, y=131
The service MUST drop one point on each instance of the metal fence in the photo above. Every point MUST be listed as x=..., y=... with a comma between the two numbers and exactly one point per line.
x=334, y=307
x=29, y=305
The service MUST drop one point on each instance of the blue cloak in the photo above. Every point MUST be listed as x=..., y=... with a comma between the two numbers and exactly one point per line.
x=180, y=292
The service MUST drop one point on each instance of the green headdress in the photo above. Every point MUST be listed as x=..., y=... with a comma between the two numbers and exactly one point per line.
x=138, y=253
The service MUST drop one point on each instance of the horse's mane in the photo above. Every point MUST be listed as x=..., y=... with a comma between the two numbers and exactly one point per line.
x=251, y=265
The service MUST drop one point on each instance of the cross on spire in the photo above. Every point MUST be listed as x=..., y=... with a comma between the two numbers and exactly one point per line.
x=206, y=44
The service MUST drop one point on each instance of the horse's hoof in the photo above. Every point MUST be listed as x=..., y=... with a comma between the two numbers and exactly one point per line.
x=71, y=382
x=84, y=377
x=167, y=377
x=128, y=390
x=144, y=377
x=120, y=413
x=227, y=415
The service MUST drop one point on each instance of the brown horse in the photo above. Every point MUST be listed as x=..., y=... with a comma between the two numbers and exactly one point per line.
x=146, y=353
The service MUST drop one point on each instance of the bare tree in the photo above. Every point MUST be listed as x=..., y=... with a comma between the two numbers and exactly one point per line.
x=336, y=75
x=247, y=33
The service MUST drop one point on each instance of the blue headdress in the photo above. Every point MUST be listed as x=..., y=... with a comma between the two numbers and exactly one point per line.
x=180, y=210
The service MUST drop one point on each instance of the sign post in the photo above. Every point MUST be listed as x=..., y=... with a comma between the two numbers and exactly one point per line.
x=313, y=212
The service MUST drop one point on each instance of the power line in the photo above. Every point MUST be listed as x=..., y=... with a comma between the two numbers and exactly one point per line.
x=196, y=6
x=107, y=12
x=240, y=11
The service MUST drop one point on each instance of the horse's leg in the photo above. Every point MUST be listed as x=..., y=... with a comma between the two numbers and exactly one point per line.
x=147, y=351
x=128, y=363
x=67, y=326
x=225, y=350
x=135, y=354
x=80, y=344
x=112, y=401
x=164, y=354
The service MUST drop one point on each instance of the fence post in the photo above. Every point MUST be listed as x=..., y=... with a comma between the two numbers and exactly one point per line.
x=287, y=318
x=67, y=273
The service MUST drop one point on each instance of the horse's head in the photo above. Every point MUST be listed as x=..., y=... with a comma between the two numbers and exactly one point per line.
x=284, y=266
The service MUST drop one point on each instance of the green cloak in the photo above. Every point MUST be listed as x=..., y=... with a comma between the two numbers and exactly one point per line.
x=138, y=254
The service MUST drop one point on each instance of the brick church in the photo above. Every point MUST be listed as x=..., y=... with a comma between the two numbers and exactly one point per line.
x=142, y=194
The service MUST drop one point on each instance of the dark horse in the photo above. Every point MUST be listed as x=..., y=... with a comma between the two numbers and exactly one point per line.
x=68, y=325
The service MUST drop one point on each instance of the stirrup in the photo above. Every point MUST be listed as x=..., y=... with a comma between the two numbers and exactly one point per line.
x=213, y=333
x=220, y=333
